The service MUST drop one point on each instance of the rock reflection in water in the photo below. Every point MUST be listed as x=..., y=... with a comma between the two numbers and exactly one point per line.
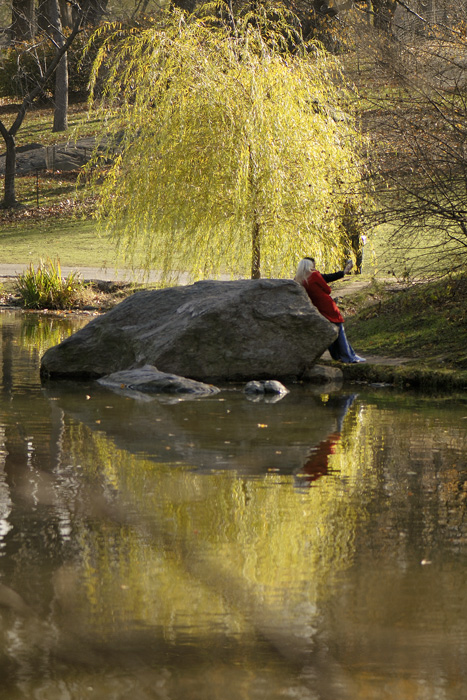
x=226, y=431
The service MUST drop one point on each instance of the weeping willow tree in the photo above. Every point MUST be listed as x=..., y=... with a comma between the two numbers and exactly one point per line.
x=234, y=150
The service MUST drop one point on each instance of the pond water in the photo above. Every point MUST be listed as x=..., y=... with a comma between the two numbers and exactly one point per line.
x=222, y=548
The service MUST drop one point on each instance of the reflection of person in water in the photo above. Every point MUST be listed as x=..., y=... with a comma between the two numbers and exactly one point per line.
x=317, y=462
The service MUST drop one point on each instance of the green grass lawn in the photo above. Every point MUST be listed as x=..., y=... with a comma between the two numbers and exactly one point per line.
x=73, y=242
x=46, y=188
x=426, y=322
x=38, y=122
x=49, y=224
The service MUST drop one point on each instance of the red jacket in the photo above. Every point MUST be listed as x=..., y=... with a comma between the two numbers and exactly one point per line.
x=319, y=292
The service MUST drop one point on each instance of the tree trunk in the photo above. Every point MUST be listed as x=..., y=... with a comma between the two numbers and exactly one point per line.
x=61, y=73
x=66, y=14
x=22, y=20
x=384, y=10
x=9, y=199
x=255, y=234
x=61, y=96
x=256, y=253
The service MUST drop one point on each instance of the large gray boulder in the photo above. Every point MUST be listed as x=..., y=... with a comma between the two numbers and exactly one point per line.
x=208, y=331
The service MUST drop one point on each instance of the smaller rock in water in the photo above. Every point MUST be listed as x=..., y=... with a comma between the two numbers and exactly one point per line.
x=148, y=380
x=321, y=374
x=266, y=386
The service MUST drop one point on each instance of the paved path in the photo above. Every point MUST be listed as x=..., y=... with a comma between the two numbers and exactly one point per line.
x=86, y=273
x=377, y=360
x=347, y=286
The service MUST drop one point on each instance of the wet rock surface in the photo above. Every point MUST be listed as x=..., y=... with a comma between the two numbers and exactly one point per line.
x=148, y=380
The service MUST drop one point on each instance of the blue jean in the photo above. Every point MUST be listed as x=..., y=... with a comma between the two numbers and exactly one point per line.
x=341, y=349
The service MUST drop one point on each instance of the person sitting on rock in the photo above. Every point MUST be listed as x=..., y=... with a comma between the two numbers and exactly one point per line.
x=317, y=288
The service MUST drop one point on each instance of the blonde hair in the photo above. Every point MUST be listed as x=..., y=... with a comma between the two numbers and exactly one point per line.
x=304, y=269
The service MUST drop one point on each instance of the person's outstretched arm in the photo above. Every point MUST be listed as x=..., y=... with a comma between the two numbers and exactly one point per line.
x=333, y=276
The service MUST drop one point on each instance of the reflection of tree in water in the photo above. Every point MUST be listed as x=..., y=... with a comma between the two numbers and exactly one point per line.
x=101, y=542
x=317, y=462
x=133, y=564
x=31, y=426
x=7, y=362
x=38, y=333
